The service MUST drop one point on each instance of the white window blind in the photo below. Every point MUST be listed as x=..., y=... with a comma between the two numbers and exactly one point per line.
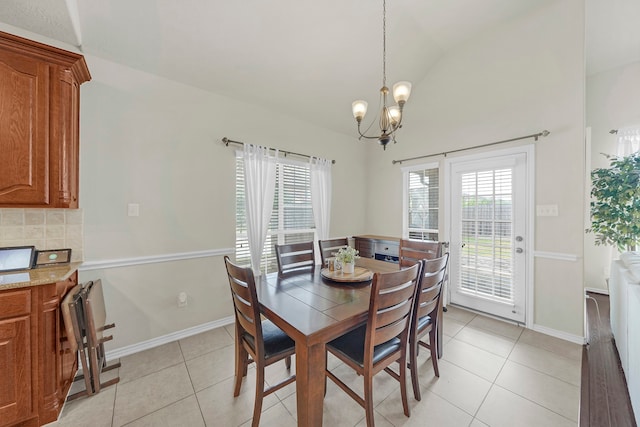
x=422, y=195
x=486, y=257
x=291, y=218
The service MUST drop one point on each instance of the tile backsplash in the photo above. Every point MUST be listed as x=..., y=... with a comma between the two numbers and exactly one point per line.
x=44, y=229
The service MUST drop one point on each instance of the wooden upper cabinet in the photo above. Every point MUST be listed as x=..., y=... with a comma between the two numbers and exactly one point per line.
x=39, y=123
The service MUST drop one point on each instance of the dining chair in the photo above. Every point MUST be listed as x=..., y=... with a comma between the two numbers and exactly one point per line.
x=295, y=257
x=426, y=316
x=260, y=339
x=327, y=247
x=411, y=251
x=382, y=340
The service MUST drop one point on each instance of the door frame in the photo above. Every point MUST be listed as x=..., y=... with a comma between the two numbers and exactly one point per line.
x=529, y=151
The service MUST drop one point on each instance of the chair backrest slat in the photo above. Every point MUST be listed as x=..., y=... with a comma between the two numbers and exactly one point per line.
x=390, y=307
x=430, y=291
x=245, y=301
x=411, y=251
x=295, y=257
x=327, y=247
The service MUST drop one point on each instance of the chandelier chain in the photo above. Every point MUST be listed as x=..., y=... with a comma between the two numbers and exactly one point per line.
x=384, y=43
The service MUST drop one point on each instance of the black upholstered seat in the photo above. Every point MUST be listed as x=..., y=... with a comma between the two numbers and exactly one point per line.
x=275, y=340
x=351, y=345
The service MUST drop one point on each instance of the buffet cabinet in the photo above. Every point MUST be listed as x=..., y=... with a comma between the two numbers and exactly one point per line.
x=36, y=366
x=39, y=123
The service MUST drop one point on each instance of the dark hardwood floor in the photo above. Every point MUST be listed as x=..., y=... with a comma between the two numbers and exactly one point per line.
x=604, y=395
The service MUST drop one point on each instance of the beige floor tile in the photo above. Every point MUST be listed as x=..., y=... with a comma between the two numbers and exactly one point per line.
x=383, y=383
x=553, y=344
x=185, y=412
x=220, y=408
x=378, y=419
x=432, y=410
x=145, y=395
x=556, y=395
x=202, y=343
x=550, y=363
x=451, y=327
x=503, y=408
x=477, y=423
x=146, y=362
x=96, y=410
x=275, y=416
x=486, y=340
x=459, y=314
x=456, y=385
x=473, y=359
x=277, y=372
x=339, y=410
x=500, y=327
x=231, y=330
x=212, y=367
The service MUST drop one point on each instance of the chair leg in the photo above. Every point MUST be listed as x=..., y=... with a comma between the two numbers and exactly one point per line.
x=434, y=351
x=257, y=406
x=413, y=362
x=241, y=368
x=368, y=399
x=403, y=382
x=287, y=362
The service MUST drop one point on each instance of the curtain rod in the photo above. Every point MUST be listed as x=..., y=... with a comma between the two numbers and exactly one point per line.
x=444, y=153
x=228, y=141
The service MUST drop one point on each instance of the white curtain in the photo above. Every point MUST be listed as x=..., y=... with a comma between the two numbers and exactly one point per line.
x=628, y=141
x=260, y=184
x=321, y=195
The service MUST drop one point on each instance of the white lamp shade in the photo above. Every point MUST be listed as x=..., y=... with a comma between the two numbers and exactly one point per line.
x=394, y=114
x=401, y=91
x=359, y=109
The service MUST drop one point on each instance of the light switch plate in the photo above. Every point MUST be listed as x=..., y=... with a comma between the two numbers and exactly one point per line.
x=547, y=210
x=133, y=209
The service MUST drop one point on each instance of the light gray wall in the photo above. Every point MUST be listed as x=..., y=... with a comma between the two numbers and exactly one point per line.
x=155, y=142
x=613, y=101
x=515, y=80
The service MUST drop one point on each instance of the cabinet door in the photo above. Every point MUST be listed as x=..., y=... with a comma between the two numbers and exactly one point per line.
x=15, y=369
x=24, y=115
x=65, y=108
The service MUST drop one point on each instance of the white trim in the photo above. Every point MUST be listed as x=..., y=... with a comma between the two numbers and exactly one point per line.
x=597, y=291
x=153, y=259
x=559, y=334
x=529, y=150
x=556, y=255
x=405, y=193
x=174, y=336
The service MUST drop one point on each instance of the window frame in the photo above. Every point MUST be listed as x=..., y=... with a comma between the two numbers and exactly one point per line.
x=268, y=263
x=405, y=199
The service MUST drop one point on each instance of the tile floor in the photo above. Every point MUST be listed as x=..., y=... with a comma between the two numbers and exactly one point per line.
x=492, y=374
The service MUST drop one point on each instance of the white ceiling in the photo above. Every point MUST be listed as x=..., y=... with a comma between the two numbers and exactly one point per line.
x=305, y=58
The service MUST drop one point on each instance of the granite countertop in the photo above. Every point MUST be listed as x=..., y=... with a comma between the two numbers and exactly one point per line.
x=37, y=276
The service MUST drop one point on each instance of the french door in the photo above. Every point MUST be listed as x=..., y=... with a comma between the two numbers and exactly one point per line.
x=489, y=234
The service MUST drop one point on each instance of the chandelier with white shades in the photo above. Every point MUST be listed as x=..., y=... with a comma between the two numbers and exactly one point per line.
x=390, y=116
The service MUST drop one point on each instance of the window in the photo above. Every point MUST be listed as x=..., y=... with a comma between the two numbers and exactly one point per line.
x=421, y=202
x=291, y=218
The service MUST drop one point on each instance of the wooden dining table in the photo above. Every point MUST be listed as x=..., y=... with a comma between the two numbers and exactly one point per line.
x=313, y=310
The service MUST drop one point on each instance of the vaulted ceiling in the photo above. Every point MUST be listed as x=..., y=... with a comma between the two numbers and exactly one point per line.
x=305, y=58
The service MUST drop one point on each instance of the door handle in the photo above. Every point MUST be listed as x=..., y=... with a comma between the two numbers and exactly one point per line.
x=519, y=250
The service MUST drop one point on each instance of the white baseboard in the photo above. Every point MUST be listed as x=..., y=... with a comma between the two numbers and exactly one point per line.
x=174, y=336
x=559, y=334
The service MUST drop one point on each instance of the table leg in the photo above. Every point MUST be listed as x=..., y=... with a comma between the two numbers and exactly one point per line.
x=310, y=363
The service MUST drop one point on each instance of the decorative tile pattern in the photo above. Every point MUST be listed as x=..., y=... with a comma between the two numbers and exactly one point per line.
x=44, y=229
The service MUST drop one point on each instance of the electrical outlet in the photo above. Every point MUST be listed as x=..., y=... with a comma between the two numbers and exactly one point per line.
x=182, y=299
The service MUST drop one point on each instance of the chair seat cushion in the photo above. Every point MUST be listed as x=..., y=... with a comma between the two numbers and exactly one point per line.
x=275, y=340
x=351, y=345
x=423, y=322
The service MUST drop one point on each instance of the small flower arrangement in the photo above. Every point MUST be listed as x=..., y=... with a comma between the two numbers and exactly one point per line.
x=347, y=255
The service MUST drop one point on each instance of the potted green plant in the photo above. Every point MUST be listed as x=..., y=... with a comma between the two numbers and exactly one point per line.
x=615, y=205
x=347, y=257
